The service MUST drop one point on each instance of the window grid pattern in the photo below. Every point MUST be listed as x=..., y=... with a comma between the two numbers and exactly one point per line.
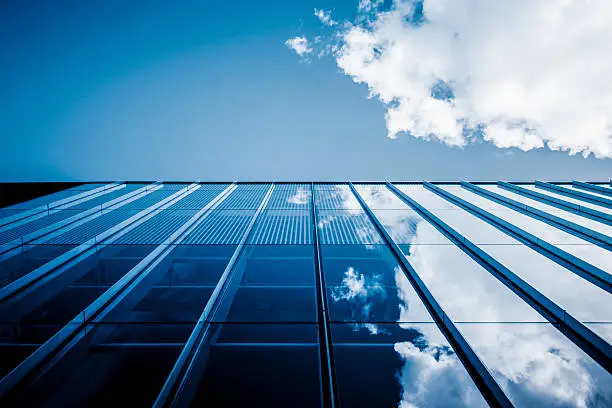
x=198, y=199
x=10, y=234
x=379, y=325
x=148, y=200
x=157, y=229
x=244, y=197
x=290, y=198
x=346, y=227
x=282, y=227
x=90, y=229
x=221, y=227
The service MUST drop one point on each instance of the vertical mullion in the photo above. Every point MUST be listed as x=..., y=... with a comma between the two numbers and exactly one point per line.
x=177, y=389
x=568, y=325
x=581, y=210
x=328, y=377
x=72, y=332
x=574, y=264
x=560, y=223
x=584, y=196
x=476, y=368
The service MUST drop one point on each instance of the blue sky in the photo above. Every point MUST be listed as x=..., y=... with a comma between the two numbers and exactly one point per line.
x=196, y=90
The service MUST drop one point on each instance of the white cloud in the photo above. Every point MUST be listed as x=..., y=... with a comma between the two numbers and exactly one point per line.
x=325, y=17
x=432, y=378
x=356, y=286
x=531, y=73
x=300, y=45
x=301, y=197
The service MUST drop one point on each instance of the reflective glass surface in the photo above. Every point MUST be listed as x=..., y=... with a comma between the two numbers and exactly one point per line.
x=365, y=284
x=108, y=367
x=588, y=191
x=271, y=284
x=583, y=300
x=537, y=366
x=406, y=365
x=571, y=199
x=31, y=226
x=259, y=308
x=267, y=365
x=175, y=290
x=23, y=260
x=550, y=209
x=38, y=311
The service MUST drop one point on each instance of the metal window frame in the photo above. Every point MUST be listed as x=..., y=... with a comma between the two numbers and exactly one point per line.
x=592, y=187
x=326, y=355
x=48, y=232
x=578, y=333
x=556, y=202
x=28, y=214
x=604, y=202
x=75, y=330
x=563, y=258
x=588, y=234
x=479, y=373
x=178, y=389
x=88, y=248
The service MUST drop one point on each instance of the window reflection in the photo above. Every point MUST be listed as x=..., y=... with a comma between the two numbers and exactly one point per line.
x=537, y=366
x=407, y=365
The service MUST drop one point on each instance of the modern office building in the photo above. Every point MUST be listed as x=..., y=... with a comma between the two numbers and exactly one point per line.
x=308, y=295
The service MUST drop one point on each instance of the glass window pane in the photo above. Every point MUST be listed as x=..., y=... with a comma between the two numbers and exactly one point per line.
x=346, y=227
x=583, y=300
x=550, y=209
x=43, y=308
x=379, y=197
x=157, y=229
x=176, y=290
x=337, y=197
x=290, y=197
x=365, y=284
x=199, y=198
x=465, y=290
x=263, y=365
x=574, y=200
x=20, y=262
x=537, y=366
x=220, y=227
x=245, y=197
x=282, y=227
x=105, y=370
x=271, y=284
x=407, y=365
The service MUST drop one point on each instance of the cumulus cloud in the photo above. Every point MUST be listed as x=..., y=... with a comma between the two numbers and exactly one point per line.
x=325, y=17
x=517, y=73
x=300, y=45
x=433, y=377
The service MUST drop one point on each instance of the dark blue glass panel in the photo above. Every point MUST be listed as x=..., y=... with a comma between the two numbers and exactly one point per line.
x=176, y=289
x=199, y=264
x=271, y=284
x=365, y=284
x=28, y=258
x=278, y=265
x=102, y=371
x=261, y=366
x=272, y=304
x=32, y=316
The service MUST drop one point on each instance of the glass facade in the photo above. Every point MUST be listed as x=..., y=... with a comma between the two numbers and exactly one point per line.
x=308, y=294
